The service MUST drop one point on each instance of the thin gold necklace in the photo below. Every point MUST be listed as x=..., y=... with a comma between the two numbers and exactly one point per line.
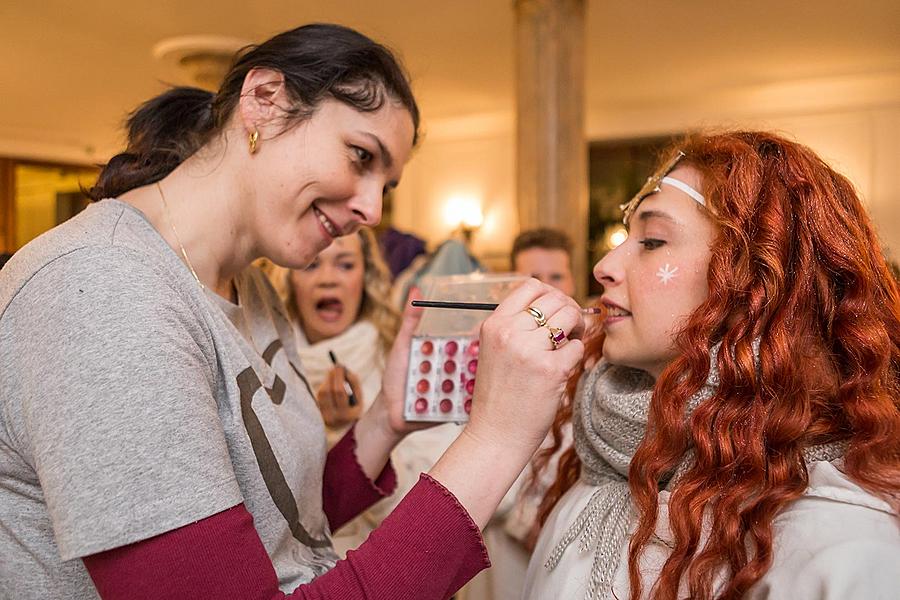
x=178, y=239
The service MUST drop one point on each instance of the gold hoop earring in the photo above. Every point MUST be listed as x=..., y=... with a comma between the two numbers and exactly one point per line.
x=254, y=138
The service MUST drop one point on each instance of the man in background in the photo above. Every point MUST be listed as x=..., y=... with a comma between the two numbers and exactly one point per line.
x=545, y=254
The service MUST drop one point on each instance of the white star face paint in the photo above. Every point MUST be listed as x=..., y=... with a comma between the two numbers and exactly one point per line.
x=666, y=273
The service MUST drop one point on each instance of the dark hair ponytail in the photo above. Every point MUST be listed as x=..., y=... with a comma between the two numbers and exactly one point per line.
x=317, y=61
x=162, y=133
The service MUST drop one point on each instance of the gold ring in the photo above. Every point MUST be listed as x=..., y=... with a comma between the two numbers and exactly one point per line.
x=557, y=336
x=539, y=317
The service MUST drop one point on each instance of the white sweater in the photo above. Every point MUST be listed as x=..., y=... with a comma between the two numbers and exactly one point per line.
x=836, y=542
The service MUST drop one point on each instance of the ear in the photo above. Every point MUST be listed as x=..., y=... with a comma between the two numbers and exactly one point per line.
x=263, y=100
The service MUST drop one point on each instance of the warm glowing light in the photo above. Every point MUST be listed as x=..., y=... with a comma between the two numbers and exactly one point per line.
x=616, y=236
x=463, y=211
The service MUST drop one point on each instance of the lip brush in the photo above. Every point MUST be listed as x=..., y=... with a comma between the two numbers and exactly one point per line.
x=591, y=310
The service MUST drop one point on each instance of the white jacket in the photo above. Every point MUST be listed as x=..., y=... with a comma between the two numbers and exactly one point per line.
x=836, y=542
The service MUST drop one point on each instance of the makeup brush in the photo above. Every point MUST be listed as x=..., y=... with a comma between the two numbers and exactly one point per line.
x=590, y=310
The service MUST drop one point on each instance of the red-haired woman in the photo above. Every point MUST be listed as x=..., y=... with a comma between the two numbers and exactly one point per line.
x=737, y=435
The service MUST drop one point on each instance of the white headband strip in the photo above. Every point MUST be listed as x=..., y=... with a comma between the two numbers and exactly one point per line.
x=677, y=183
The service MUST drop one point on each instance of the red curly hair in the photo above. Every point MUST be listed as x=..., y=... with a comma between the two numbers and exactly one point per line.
x=797, y=266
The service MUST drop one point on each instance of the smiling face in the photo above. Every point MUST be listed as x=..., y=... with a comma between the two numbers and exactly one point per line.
x=655, y=279
x=329, y=292
x=324, y=177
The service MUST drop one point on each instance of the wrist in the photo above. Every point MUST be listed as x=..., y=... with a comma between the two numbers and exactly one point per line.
x=494, y=440
x=376, y=422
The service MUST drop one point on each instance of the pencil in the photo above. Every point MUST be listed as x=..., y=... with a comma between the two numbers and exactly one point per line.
x=590, y=310
x=351, y=397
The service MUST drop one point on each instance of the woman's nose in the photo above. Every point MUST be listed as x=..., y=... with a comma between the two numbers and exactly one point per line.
x=326, y=276
x=366, y=205
x=609, y=269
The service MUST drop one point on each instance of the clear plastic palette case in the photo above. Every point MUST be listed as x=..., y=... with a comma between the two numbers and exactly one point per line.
x=443, y=358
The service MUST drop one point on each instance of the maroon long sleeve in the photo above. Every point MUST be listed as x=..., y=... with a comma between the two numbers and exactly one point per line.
x=346, y=490
x=426, y=549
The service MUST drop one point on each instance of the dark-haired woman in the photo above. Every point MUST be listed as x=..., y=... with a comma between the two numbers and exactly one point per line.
x=157, y=437
x=738, y=432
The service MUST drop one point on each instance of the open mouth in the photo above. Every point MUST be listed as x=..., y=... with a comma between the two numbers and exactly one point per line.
x=614, y=311
x=329, y=226
x=329, y=309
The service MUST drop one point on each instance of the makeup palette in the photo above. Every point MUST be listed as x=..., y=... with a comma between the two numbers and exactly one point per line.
x=443, y=357
x=441, y=378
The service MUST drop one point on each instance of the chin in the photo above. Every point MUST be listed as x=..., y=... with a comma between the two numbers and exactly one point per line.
x=293, y=261
x=618, y=358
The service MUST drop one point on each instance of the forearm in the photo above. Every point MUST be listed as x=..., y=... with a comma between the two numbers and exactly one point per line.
x=375, y=439
x=425, y=550
x=480, y=471
x=346, y=489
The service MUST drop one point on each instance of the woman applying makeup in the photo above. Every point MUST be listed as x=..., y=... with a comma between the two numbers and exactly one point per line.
x=157, y=436
x=736, y=419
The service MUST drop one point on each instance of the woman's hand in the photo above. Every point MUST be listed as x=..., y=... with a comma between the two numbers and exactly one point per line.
x=521, y=377
x=521, y=380
x=383, y=426
x=334, y=401
x=393, y=383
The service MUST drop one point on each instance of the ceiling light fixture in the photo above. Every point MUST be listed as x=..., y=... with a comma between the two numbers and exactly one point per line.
x=198, y=60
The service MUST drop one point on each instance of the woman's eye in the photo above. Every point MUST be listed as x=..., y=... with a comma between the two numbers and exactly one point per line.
x=312, y=266
x=347, y=266
x=651, y=243
x=363, y=155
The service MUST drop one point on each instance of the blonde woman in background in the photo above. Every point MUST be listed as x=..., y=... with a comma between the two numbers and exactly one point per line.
x=340, y=306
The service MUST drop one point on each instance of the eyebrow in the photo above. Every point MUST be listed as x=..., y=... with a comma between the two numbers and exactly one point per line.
x=646, y=215
x=343, y=255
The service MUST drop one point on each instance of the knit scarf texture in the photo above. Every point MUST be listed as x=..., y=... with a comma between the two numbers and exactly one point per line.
x=610, y=421
x=357, y=348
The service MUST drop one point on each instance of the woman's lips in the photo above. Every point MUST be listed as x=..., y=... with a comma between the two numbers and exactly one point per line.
x=614, y=313
x=328, y=226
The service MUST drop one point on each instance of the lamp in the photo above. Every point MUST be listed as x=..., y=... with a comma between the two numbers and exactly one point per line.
x=463, y=214
x=614, y=236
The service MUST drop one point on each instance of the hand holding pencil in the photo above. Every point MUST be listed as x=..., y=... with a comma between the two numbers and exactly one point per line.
x=339, y=397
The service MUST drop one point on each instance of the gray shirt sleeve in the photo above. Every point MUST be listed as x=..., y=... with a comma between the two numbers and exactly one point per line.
x=116, y=378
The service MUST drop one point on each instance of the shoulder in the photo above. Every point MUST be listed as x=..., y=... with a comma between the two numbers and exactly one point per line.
x=109, y=246
x=853, y=568
x=836, y=541
x=105, y=273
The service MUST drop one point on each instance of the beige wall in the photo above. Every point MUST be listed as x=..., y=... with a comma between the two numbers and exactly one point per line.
x=852, y=122
x=466, y=157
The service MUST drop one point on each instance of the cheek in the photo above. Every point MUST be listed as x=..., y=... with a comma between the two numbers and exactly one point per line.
x=676, y=288
x=356, y=290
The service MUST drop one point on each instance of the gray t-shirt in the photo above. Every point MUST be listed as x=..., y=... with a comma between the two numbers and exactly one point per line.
x=133, y=402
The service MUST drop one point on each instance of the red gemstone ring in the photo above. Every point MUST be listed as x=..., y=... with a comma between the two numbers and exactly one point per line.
x=557, y=336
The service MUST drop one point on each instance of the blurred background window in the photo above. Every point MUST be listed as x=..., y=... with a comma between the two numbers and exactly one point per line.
x=35, y=197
